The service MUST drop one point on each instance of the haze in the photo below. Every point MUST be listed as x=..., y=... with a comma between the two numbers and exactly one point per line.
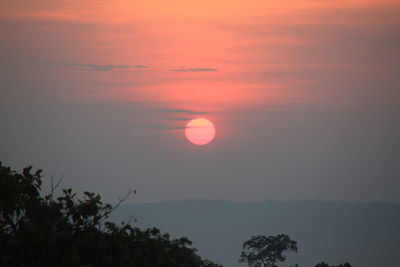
x=304, y=96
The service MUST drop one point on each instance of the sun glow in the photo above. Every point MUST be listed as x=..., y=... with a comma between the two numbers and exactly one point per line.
x=200, y=131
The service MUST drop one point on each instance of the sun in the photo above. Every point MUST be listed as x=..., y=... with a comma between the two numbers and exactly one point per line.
x=200, y=131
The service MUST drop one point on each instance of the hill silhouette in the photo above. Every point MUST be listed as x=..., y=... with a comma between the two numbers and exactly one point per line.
x=365, y=234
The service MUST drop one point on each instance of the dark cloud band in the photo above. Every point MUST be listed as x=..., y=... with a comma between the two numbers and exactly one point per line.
x=184, y=111
x=195, y=69
x=108, y=67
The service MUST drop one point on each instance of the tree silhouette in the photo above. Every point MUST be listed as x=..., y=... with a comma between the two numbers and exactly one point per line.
x=323, y=264
x=266, y=251
x=72, y=231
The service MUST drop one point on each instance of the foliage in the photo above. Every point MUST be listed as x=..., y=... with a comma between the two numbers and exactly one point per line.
x=72, y=231
x=266, y=251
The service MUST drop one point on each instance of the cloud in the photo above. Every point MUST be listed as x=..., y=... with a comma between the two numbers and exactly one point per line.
x=164, y=127
x=108, y=67
x=184, y=111
x=141, y=66
x=195, y=69
x=182, y=119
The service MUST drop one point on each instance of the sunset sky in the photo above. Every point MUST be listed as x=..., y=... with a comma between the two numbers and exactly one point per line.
x=304, y=96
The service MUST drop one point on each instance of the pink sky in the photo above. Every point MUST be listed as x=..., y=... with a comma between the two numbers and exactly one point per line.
x=257, y=47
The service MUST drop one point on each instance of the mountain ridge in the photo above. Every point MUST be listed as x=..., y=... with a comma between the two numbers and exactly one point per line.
x=364, y=234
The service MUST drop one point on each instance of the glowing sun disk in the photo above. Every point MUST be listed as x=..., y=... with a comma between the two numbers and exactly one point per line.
x=200, y=131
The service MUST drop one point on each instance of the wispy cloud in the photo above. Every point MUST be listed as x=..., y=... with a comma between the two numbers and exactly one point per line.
x=164, y=127
x=182, y=119
x=195, y=69
x=98, y=67
x=183, y=111
x=141, y=66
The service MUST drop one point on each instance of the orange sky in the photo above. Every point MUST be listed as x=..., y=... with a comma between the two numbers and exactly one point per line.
x=166, y=35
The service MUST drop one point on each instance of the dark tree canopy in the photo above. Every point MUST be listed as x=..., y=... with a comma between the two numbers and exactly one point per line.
x=72, y=231
x=266, y=251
